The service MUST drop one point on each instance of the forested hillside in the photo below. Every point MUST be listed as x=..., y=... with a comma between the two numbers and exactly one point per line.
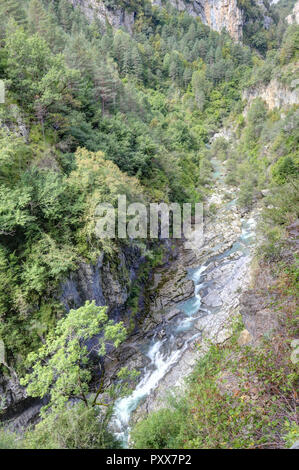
x=93, y=111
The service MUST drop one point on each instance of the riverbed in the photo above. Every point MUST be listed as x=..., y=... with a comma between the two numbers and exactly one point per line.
x=219, y=275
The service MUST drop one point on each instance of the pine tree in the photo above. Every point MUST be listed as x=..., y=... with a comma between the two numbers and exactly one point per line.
x=127, y=65
x=78, y=53
x=105, y=85
x=121, y=51
x=191, y=35
x=187, y=75
x=65, y=13
x=11, y=9
x=199, y=87
x=175, y=68
x=136, y=63
x=37, y=18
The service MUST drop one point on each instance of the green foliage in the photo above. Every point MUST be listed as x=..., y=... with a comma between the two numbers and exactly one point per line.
x=290, y=45
x=158, y=431
x=292, y=433
x=75, y=427
x=59, y=367
x=234, y=398
x=285, y=168
x=9, y=440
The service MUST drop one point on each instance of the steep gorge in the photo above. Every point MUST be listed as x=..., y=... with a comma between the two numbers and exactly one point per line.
x=174, y=302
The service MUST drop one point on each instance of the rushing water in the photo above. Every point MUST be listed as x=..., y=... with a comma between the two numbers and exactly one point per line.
x=162, y=354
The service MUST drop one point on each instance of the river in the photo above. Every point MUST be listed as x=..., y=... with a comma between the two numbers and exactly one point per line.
x=165, y=355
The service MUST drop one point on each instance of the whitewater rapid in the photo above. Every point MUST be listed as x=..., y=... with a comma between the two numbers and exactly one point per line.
x=162, y=354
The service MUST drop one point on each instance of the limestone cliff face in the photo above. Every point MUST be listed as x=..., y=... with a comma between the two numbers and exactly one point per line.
x=218, y=14
x=224, y=14
x=275, y=95
x=293, y=18
x=97, y=9
x=193, y=8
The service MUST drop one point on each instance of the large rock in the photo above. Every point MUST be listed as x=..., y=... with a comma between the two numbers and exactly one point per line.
x=295, y=445
x=18, y=411
x=293, y=18
x=105, y=282
x=212, y=300
x=95, y=9
x=244, y=338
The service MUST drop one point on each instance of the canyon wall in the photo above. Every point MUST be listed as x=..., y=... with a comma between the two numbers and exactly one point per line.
x=275, y=94
x=218, y=14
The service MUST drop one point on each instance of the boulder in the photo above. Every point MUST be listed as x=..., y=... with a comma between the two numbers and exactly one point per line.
x=244, y=338
x=213, y=299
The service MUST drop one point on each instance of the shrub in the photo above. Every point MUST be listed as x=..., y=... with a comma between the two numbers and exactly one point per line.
x=77, y=427
x=158, y=431
x=9, y=440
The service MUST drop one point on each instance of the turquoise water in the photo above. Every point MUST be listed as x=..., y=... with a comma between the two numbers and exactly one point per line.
x=164, y=353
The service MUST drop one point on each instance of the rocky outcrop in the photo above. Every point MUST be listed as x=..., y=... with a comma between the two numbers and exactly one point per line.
x=108, y=281
x=224, y=14
x=275, y=95
x=97, y=9
x=14, y=123
x=193, y=8
x=293, y=18
x=18, y=410
x=218, y=14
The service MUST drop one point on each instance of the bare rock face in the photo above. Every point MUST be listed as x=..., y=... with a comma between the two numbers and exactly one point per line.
x=293, y=18
x=15, y=124
x=97, y=9
x=194, y=8
x=218, y=14
x=224, y=14
x=17, y=410
x=104, y=282
x=275, y=95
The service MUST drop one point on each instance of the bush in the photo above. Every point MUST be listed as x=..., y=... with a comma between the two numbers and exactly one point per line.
x=9, y=440
x=158, y=431
x=77, y=427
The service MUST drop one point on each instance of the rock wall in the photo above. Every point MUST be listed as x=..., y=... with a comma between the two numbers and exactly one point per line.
x=107, y=282
x=224, y=14
x=97, y=9
x=14, y=123
x=218, y=14
x=293, y=18
x=193, y=8
x=17, y=409
x=275, y=95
